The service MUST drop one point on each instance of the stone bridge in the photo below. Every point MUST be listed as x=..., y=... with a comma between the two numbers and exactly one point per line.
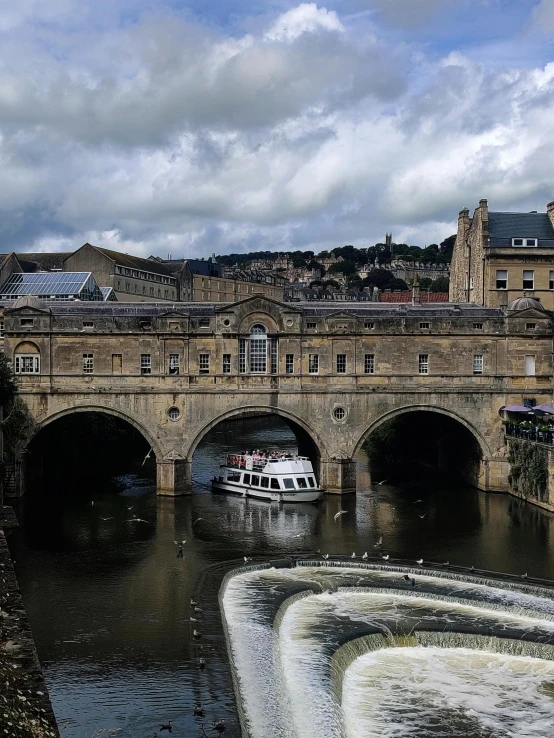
x=334, y=375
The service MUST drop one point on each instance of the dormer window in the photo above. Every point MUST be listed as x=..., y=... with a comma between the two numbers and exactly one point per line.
x=525, y=242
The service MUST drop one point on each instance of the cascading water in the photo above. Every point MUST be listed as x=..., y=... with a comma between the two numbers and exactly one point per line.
x=356, y=651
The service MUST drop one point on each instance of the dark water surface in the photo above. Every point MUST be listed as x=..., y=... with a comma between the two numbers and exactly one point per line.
x=109, y=602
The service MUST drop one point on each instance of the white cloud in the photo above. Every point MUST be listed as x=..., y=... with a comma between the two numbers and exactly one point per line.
x=543, y=16
x=164, y=137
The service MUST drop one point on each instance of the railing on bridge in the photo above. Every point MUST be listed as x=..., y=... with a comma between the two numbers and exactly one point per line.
x=528, y=431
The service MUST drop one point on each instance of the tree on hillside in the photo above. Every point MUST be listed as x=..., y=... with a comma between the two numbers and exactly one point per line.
x=425, y=283
x=441, y=284
x=345, y=267
x=378, y=278
x=396, y=284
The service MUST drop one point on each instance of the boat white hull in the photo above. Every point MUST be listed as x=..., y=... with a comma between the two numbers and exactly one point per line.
x=309, y=495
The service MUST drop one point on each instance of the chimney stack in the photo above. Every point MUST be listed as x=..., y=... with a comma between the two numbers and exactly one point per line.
x=416, y=289
x=550, y=211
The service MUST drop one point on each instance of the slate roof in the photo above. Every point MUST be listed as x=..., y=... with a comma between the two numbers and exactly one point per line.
x=134, y=262
x=505, y=226
x=47, y=261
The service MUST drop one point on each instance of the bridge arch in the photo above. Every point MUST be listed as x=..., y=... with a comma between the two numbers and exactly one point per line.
x=396, y=412
x=91, y=408
x=286, y=415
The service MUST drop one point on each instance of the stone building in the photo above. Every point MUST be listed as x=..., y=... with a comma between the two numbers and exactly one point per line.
x=334, y=372
x=499, y=256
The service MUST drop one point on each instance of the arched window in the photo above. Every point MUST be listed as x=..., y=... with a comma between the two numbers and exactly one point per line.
x=27, y=358
x=258, y=353
x=258, y=349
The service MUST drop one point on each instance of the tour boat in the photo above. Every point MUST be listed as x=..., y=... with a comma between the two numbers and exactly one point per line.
x=270, y=476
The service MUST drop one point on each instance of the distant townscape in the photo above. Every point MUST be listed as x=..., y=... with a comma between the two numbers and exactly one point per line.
x=383, y=272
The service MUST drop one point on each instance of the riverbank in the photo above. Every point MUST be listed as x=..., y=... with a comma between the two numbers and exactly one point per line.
x=25, y=709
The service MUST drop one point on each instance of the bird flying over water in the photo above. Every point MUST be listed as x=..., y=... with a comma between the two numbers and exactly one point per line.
x=146, y=457
x=386, y=558
x=196, y=634
x=104, y=519
x=337, y=515
x=247, y=559
x=197, y=519
x=379, y=543
x=422, y=516
x=325, y=556
x=383, y=482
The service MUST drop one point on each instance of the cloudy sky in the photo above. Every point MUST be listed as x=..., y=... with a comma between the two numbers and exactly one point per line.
x=233, y=125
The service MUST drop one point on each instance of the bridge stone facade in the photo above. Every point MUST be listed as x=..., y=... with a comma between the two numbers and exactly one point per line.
x=175, y=372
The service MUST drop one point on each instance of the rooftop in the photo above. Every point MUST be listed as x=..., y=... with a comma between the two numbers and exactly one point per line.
x=505, y=226
x=48, y=284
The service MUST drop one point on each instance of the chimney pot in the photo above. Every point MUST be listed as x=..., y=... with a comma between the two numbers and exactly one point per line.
x=550, y=206
x=483, y=203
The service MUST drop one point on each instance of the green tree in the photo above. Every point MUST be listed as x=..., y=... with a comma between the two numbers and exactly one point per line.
x=378, y=278
x=441, y=284
x=425, y=283
x=343, y=267
x=396, y=284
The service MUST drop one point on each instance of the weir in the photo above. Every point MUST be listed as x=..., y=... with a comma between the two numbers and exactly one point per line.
x=341, y=651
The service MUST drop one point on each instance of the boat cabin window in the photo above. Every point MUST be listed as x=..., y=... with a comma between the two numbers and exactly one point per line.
x=265, y=482
x=289, y=484
x=301, y=481
x=233, y=476
x=311, y=481
x=255, y=480
x=246, y=478
x=275, y=484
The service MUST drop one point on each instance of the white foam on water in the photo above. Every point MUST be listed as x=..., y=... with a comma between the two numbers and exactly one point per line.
x=419, y=692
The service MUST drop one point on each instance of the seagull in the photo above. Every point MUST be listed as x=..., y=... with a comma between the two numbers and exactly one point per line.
x=179, y=543
x=130, y=508
x=446, y=563
x=524, y=576
x=416, y=501
x=379, y=543
x=196, y=633
x=325, y=556
x=197, y=519
x=419, y=561
x=146, y=457
x=197, y=609
x=383, y=482
x=422, y=516
x=365, y=555
x=193, y=620
x=472, y=568
x=137, y=520
x=353, y=555
x=247, y=559
x=92, y=503
x=104, y=519
x=386, y=558
x=192, y=602
x=337, y=515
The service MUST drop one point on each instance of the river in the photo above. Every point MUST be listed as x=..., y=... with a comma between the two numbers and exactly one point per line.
x=109, y=602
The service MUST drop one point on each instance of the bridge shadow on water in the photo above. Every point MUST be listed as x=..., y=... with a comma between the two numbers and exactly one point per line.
x=110, y=603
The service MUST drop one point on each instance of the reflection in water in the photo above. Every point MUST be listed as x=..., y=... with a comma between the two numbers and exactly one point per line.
x=109, y=602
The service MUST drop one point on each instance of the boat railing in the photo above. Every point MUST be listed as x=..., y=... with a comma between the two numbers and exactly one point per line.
x=257, y=461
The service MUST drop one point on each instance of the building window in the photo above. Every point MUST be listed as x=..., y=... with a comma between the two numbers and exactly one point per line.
x=174, y=363
x=27, y=322
x=369, y=364
x=273, y=355
x=204, y=323
x=478, y=363
x=27, y=364
x=226, y=363
x=204, y=363
x=145, y=364
x=424, y=363
x=369, y=324
x=117, y=363
x=524, y=242
x=174, y=413
x=528, y=279
x=1, y=329
x=551, y=280
x=471, y=283
x=289, y=364
x=127, y=286
x=88, y=324
x=339, y=413
x=529, y=366
x=313, y=363
x=88, y=363
x=242, y=355
x=478, y=326
x=341, y=363
x=258, y=349
x=311, y=324
x=425, y=324
x=501, y=279
x=530, y=326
